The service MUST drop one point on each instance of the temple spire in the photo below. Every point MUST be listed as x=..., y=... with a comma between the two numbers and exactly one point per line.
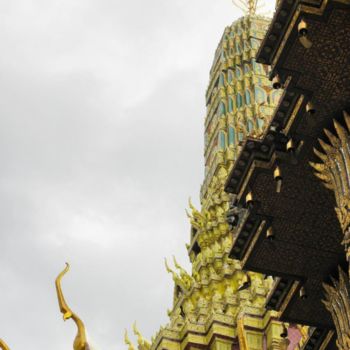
x=247, y=6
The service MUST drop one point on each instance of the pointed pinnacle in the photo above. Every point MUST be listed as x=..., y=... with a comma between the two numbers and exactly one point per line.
x=342, y=276
x=320, y=155
x=167, y=266
x=134, y=328
x=322, y=177
x=327, y=148
x=329, y=289
x=334, y=140
x=340, y=130
x=318, y=166
x=175, y=262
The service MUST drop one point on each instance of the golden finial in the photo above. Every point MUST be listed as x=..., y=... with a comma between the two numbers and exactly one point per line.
x=136, y=330
x=128, y=341
x=176, y=278
x=3, y=345
x=247, y=6
x=168, y=269
x=195, y=216
x=183, y=272
x=143, y=343
x=80, y=342
x=177, y=265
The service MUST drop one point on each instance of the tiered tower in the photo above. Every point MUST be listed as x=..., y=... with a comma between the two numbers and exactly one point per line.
x=219, y=306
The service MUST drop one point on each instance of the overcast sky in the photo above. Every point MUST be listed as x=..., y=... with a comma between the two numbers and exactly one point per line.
x=101, y=144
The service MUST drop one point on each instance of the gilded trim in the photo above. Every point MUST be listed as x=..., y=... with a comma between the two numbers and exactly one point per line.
x=327, y=340
x=289, y=296
x=294, y=114
x=253, y=242
x=302, y=8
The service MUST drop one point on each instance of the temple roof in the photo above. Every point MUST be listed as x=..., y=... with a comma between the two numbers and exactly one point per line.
x=315, y=76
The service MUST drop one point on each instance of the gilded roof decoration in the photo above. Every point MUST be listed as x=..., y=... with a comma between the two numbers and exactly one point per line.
x=207, y=300
x=334, y=168
x=80, y=342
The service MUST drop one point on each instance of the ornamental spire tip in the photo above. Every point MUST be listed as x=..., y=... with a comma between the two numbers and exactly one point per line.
x=247, y=6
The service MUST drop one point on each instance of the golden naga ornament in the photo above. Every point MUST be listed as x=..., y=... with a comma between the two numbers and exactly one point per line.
x=80, y=342
x=338, y=304
x=334, y=169
x=128, y=342
x=184, y=280
x=3, y=345
x=143, y=343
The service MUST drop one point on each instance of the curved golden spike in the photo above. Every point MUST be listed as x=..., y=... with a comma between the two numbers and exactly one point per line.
x=168, y=269
x=334, y=140
x=347, y=119
x=191, y=204
x=64, y=308
x=135, y=330
x=327, y=148
x=320, y=155
x=318, y=166
x=176, y=263
x=195, y=216
x=173, y=273
x=127, y=341
x=143, y=343
x=3, y=345
x=183, y=272
x=80, y=342
x=322, y=177
x=343, y=135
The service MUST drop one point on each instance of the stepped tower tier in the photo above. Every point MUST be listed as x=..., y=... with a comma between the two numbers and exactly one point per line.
x=240, y=99
x=217, y=305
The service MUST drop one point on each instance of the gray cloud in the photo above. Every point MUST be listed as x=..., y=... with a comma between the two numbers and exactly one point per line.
x=101, y=137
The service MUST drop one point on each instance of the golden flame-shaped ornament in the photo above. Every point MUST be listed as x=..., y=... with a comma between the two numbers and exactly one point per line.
x=334, y=168
x=80, y=342
x=128, y=342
